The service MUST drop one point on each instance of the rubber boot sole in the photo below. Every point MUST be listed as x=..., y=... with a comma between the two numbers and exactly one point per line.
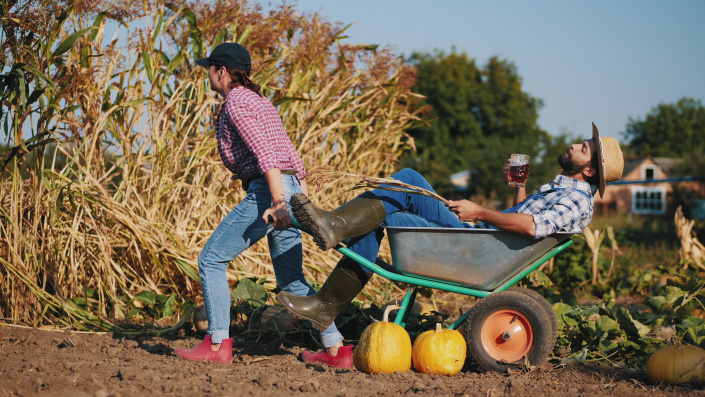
x=309, y=221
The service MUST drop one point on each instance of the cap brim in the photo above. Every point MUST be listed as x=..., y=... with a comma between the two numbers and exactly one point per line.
x=600, y=158
x=203, y=62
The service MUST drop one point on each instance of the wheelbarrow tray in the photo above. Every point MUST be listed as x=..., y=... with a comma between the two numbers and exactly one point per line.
x=475, y=258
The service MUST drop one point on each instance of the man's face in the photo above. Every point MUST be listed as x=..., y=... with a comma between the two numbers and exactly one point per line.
x=577, y=157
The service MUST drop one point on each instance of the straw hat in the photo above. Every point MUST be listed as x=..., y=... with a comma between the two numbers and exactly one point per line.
x=611, y=161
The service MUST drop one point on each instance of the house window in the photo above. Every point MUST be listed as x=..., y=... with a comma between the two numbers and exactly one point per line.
x=648, y=172
x=648, y=200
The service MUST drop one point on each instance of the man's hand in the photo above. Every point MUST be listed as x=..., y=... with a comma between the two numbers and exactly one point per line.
x=519, y=191
x=278, y=213
x=466, y=210
x=505, y=172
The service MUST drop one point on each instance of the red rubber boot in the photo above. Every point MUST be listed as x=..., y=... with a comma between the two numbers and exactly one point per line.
x=342, y=360
x=203, y=352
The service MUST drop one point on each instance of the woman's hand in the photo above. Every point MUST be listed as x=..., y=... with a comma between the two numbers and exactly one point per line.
x=278, y=214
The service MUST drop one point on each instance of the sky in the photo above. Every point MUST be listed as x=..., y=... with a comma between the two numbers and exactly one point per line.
x=589, y=61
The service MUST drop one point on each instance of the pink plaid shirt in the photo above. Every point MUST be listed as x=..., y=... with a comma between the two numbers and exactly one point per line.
x=251, y=136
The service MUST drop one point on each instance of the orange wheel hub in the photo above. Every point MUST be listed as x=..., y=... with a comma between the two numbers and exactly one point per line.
x=507, y=335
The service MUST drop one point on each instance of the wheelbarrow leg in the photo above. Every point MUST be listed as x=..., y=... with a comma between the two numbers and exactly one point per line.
x=406, y=305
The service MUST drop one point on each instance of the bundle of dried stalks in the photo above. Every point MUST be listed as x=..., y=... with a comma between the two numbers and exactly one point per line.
x=692, y=250
x=326, y=176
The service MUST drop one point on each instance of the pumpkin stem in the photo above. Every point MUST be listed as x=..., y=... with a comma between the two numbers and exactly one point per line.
x=389, y=308
x=439, y=328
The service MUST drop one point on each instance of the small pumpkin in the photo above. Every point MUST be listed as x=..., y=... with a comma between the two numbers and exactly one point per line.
x=200, y=318
x=698, y=313
x=384, y=347
x=677, y=364
x=439, y=351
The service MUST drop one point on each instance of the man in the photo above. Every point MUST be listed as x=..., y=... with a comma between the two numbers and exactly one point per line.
x=563, y=205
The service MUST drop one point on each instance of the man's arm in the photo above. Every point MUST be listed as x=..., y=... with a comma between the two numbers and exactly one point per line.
x=468, y=211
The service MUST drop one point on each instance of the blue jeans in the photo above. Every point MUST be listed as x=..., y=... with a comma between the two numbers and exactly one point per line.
x=240, y=229
x=406, y=209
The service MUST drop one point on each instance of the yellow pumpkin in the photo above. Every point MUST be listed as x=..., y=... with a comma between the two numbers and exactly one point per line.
x=677, y=364
x=698, y=313
x=384, y=347
x=439, y=351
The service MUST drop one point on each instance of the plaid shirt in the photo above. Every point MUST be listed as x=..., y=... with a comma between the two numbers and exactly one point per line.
x=563, y=205
x=251, y=136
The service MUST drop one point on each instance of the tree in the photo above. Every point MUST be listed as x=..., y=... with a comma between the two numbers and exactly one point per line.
x=672, y=130
x=669, y=130
x=479, y=116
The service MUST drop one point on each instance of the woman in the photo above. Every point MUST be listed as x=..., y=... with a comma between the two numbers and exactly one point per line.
x=254, y=146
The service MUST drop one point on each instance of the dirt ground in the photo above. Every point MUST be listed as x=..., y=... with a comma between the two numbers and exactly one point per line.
x=41, y=363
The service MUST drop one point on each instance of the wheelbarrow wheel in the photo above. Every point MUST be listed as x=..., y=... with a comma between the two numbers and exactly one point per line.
x=545, y=306
x=505, y=329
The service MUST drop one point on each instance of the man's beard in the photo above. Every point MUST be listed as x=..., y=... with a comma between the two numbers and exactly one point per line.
x=566, y=162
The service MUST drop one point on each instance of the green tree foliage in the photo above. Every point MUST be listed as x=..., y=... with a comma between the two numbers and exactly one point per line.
x=479, y=116
x=672, y=130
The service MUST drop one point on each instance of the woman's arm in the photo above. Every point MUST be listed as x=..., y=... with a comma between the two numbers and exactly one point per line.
x=304, y=187
x=278, y=212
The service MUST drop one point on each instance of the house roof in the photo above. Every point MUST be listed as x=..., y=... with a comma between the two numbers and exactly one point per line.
x=666, y=163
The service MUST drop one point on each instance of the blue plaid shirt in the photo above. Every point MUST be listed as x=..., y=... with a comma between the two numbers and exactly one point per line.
x=563, y=205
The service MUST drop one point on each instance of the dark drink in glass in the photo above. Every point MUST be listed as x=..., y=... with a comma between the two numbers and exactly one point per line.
x=518, y=170
x=518, y=174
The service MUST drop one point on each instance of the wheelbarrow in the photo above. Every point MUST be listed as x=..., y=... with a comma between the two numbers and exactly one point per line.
x=509, y=325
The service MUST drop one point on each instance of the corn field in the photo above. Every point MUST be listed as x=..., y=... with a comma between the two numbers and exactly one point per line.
x=112, y=181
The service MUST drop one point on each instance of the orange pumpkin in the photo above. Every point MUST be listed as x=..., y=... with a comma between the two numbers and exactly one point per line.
x=698, y=313
x=439, y=351
x=384, y=347
x=677, y=364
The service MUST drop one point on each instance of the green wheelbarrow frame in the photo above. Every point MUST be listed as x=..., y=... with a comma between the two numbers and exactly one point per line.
x=388, y=271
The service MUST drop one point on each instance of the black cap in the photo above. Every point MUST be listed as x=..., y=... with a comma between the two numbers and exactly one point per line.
x=230, y=55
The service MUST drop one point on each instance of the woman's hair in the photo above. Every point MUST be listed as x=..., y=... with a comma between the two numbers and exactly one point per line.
x=242, y=77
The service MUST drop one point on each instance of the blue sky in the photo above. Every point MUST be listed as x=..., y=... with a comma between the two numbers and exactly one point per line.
x=601, y=61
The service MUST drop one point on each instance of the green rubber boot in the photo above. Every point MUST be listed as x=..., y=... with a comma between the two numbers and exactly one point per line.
x=321, y=308
x=358, y=216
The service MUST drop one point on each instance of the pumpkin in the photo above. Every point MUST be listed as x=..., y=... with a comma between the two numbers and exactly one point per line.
x=698, y=313
x=677, y=364
x=439, y=351
x=200, y=318
x=384, y=347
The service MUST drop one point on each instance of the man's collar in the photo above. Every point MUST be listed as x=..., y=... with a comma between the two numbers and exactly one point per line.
x=562, y=181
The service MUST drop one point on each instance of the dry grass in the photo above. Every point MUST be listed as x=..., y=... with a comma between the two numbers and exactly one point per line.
x=135, y=186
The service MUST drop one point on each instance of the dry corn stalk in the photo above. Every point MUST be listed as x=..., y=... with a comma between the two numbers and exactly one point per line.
x=691, y=250
x=594, y=241
x=323, y=175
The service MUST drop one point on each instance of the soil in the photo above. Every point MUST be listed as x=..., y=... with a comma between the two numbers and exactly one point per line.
x=36, y=362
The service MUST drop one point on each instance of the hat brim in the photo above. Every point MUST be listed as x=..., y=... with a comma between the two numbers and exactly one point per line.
x=203, y=62
x=600, y=158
